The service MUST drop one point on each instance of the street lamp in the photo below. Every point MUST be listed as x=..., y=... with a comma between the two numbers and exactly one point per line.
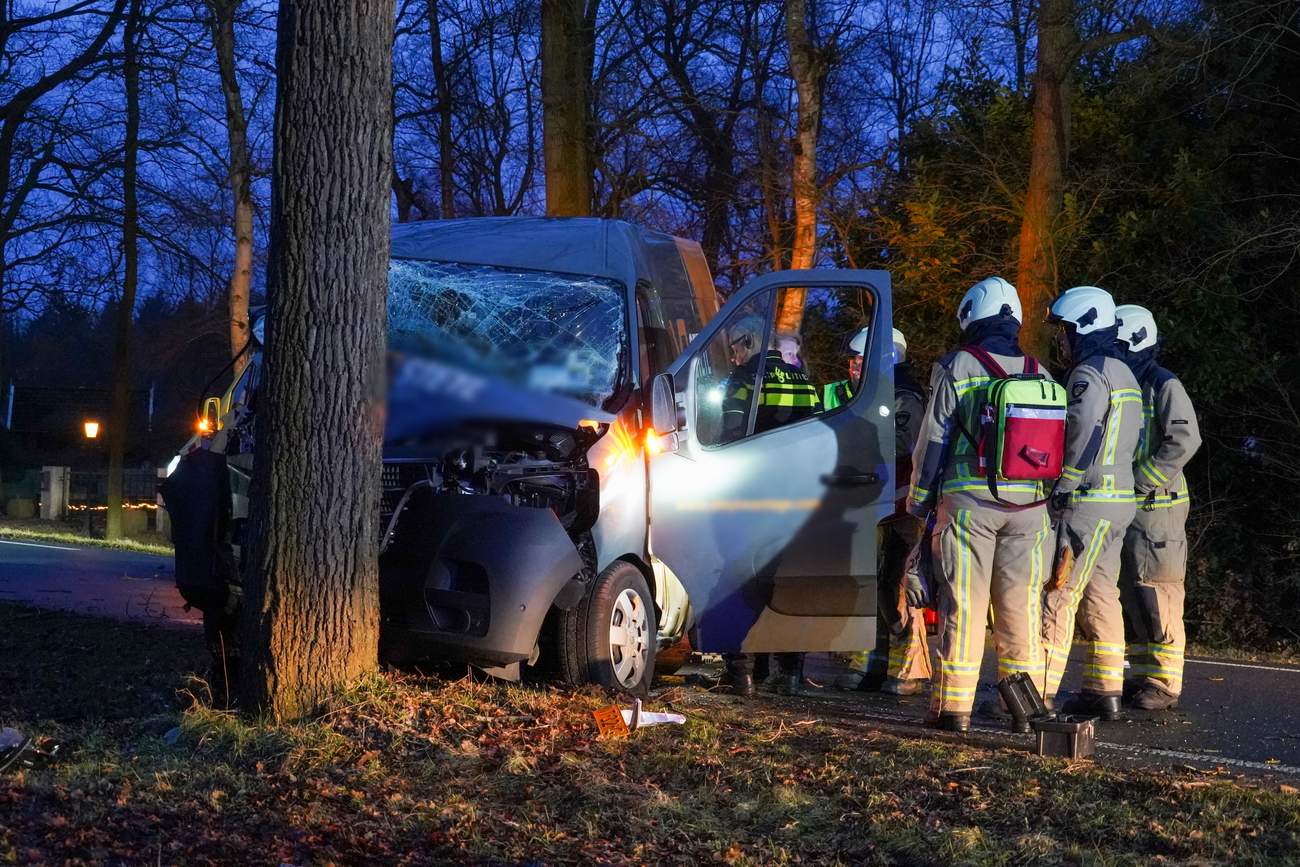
x=90, y=428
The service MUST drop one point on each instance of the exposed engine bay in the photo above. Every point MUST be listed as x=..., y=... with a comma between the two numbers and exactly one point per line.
x=506, y=511
x=540, y=468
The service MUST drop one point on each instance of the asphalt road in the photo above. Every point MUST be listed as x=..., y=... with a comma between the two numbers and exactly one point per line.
x=100, y=581
x=1244, y=715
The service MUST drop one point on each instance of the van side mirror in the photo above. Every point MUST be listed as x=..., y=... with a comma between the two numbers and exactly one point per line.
x=210, y=421
x=663, y=405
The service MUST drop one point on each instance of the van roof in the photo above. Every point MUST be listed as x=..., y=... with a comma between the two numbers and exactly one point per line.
x=573, y=245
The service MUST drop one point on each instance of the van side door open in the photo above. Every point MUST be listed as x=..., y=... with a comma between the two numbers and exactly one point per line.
x=778, y=463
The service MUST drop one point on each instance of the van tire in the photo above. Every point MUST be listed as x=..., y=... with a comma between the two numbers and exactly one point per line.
x=618, y=597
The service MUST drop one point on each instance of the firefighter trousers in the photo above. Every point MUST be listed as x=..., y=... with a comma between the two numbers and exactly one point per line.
x=1090, y=595
x=987, y=553
x=900, y=650
x=1152, y=572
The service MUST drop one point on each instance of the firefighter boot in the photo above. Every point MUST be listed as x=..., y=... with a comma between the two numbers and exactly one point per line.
x=949, y=722
x=1152, y=697
x=1093, y=704
x=738, y=679
x=791, y=668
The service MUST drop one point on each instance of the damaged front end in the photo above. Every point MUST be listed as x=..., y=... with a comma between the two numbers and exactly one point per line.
x=482, y=533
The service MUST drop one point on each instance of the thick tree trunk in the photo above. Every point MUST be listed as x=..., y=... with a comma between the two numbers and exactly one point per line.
x=311, y=618
x=1037, y=280
x=805, y=66
x=442, y=89
x=240, y=176
x=120, y=410
x=565, y=96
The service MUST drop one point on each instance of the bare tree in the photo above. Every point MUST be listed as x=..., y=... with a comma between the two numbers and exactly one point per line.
x=119, y=414
x=442, y=90
x=25, y=42
x=312, y=615
x=567, y=46
x=223, y=13
x=1060, y=49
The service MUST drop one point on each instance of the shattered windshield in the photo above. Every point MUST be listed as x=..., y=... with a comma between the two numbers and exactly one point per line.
x=553, y=332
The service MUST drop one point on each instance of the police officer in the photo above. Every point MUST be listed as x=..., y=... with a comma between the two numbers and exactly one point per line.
x=900, y=662
x=1092, y=501
x=785, y=395
x=987, y=550
x=1154, y=562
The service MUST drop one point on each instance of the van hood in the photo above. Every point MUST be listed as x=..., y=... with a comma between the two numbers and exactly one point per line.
x=427, y=397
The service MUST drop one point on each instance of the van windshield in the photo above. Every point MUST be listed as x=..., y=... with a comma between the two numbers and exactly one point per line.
x=560, y=333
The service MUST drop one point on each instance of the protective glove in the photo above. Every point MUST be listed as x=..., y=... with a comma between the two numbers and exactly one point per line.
x=916, y=583
x=1058, y=505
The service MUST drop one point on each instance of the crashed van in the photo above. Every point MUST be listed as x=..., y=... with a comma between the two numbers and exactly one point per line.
x=586, y=462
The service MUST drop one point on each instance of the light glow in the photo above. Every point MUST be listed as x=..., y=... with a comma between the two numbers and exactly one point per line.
x=90, y=428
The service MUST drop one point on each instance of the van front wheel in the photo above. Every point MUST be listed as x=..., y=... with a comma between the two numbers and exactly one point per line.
x=609, y=637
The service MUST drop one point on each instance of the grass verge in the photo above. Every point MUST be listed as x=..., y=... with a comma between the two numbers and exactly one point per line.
x=57, y=533
x=406, y=769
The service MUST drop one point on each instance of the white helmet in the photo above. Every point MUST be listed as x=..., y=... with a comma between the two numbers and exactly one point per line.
x=988, y=297
x=900, y=347
x=1137, y=327
x=1087, y=308
x=858, y=342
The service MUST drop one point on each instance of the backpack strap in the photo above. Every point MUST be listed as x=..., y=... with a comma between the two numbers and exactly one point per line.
x=984, y=358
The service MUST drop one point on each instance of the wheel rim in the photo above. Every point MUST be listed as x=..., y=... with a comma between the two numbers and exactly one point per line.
x=628, y=638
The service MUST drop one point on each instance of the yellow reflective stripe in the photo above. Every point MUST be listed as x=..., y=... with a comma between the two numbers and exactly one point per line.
x=1164, y=502
x=951, y=667
x=1158, y=648
x=1034, y=605
x=1107, y=646
x=1089, y=561
x=957, y=486
x=1071, y=474
x=1094, y=495
x=1020, y=665
x=965, y=386
x=1149, y=469
x=962, y=539
x=1104, y=671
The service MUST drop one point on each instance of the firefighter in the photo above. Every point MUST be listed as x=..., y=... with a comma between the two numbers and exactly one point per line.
x=785, y=395
x=900, y=662
x=1092, y=502
x=988, y=550
x=1154, y=561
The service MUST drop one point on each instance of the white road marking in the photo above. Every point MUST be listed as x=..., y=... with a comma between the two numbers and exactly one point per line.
x=36, y=545
x=1249, y=665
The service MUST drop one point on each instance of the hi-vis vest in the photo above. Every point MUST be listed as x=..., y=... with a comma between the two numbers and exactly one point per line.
x=1170, y=437
x=785, y=395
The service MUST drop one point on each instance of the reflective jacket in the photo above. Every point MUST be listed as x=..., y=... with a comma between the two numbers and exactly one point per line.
x=1169, y=439
x=1102, y=424
x=946, y=457
x=785, y=395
